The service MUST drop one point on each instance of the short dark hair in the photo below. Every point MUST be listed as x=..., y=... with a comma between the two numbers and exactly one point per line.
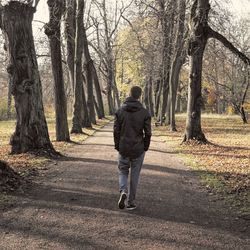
x=136, y=92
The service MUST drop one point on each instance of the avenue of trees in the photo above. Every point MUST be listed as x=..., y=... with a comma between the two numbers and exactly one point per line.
x=186, y=55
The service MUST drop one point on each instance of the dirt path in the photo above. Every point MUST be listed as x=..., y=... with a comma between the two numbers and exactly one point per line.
x=74, y=206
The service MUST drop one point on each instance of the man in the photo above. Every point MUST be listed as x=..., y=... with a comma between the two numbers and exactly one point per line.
x=132, y=133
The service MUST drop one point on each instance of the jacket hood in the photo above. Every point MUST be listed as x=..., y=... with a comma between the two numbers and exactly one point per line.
x=131, y=105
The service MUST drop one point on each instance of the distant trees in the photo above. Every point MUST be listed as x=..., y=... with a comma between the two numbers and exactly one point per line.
x=226, y=84
x=200, y=33
x=109, y=46
x=16, y=23
x=106, y=29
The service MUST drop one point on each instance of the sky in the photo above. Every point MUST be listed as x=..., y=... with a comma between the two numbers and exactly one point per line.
x=239, y=7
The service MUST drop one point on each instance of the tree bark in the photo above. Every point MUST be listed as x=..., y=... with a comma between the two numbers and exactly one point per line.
x=116, y=95
x=97, y=109
x=145, y=95
x=150, y=96
x=98, y=92
x=109, y=92
x=89, y=77
x=53, y=31
x=158, y=97
x=109, y=61
x=167, y=23
x=70, y=31
x=177, y=62
x=80, y=116
x=31, y=131
x=197, y=44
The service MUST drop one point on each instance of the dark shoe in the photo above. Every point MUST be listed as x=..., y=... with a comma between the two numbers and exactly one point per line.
x=121, y=202
x=131, y=206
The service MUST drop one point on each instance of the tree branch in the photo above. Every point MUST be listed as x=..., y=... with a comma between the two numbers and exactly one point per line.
x=214, y=34
x=49, y=56
x=136, y=33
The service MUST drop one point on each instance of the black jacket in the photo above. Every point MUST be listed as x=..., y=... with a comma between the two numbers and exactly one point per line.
x=132, y=129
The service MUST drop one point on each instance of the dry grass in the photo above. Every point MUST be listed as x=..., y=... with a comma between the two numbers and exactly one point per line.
x=25, y=162
x=224, y=165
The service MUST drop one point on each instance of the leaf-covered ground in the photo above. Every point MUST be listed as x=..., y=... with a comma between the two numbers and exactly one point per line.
x=27, y=164
x=224, y=165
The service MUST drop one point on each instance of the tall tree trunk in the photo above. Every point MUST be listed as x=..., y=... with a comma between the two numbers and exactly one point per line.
x=109, y=92
x=70, y=31
x=109, y=61
x=150, y=96
x=98, y=93
x=145, y=95
x=80, y=116
x=86, y=122
x=167, y=23
x=158, y=97
x=89, y=77
x=197, y=44
x=97, y=109
x=165, y=95
x=243, y=113
x=177, y=62
x=31, y=131
x=9, y=100
x=53, y=31
x=116, y=95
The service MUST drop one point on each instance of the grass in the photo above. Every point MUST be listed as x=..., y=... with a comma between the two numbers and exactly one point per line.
x=24, y=162
x=223, y=165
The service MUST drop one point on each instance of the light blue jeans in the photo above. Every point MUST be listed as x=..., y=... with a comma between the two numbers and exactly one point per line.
x=124, y=163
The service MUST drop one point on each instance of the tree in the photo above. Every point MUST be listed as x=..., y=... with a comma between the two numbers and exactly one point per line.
x=53, y=31
x=200, y=33
x=98, y=99
x=31, y=131
x=167, y=15
x=177, y=62
x=80, y=113
x=70, y=30
x=106, y=37
x=88, y=66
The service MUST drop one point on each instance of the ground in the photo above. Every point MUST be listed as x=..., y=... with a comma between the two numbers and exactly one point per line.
x=73, y=205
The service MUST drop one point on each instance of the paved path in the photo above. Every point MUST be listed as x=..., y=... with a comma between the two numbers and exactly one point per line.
x=74, y=206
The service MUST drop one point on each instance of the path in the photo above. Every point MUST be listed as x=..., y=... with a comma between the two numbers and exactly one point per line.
x=74, y=206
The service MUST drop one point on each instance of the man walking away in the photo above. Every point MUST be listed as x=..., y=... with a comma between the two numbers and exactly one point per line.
x=132, y=133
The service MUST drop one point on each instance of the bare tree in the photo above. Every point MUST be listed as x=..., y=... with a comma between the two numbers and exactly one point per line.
x=105, y=47
x=53, y=31
x=88, y=66
x=80, y=114
x=31, y=128
x=200, y=33
x=70, y=30
x=177, y=62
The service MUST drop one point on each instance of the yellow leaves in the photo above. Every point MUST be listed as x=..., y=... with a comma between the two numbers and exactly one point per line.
x=247, y=106
x=131, y=59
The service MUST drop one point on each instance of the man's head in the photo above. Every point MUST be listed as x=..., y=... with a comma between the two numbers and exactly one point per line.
x=135, y=92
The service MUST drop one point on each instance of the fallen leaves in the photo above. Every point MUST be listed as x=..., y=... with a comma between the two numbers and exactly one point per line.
x=27, y=164
x=224, y=163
